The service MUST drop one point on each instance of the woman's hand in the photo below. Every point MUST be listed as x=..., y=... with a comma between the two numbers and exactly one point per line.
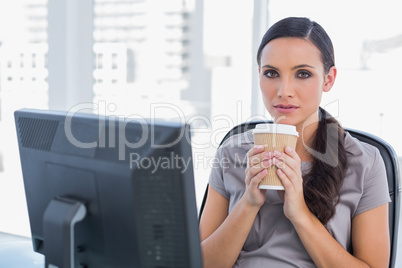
x=257, y=163
x=289, y=171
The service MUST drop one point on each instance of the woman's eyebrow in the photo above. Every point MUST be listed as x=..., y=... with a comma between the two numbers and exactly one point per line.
x=302, y=66
x=271, y=67
x=294, y=68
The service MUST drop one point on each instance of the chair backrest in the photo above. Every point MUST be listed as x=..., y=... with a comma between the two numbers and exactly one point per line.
x=391, y=165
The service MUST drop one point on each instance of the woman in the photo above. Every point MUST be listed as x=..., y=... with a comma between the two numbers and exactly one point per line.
x=334, y=209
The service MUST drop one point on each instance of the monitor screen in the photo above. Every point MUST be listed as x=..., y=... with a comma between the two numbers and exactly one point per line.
x=108, y=191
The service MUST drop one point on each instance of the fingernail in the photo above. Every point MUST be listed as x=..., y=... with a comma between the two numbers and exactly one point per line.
x=269, y=154
x=288, y=149
x=267, y=163
x=259, y=147
x=277, y=153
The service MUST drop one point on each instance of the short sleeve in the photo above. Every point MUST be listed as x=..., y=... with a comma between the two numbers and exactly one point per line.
x=375, y=188
x=216, y=176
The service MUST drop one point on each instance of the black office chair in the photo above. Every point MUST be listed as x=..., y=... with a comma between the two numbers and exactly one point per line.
x=391, y=165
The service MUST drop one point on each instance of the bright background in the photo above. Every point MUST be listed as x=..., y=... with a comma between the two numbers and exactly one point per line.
x=193, y=59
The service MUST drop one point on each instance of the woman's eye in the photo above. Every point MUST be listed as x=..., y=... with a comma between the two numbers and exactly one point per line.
x=271, y=74
x=303, y=74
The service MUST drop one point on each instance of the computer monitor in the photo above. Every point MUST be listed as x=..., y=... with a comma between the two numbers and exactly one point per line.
x=108, y=191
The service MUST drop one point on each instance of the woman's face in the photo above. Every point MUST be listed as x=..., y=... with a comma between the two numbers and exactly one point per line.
x=292, y=80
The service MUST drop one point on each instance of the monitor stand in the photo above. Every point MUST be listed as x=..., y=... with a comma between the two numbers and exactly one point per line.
x=58, y=231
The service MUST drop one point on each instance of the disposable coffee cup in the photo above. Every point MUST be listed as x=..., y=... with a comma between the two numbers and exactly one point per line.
x=274, y=137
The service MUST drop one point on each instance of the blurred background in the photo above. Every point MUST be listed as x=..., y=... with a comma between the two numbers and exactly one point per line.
x=192, y=60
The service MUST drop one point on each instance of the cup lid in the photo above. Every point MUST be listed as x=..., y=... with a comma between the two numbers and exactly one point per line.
x=276, y=128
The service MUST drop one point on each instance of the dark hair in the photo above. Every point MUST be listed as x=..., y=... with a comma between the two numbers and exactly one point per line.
x=305, y=29
x=323, y=182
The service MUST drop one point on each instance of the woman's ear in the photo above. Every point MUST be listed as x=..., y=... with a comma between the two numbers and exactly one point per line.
x=330, y=79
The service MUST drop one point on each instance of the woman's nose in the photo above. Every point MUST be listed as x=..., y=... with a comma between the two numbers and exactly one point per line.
x=286, y=89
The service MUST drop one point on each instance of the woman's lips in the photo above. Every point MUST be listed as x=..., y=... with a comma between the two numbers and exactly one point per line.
x=286, y=108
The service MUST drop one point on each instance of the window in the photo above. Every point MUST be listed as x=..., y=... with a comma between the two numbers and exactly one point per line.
x=194, y=60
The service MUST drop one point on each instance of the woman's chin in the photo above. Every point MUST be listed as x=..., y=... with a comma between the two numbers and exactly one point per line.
x=284, y=121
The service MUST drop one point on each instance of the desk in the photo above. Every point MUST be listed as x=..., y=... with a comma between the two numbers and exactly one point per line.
x=17, y=252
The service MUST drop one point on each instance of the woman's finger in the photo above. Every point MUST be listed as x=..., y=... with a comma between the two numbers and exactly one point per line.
x=256, y=159
x=286, y=182
x=291, y=161
x=255, y=181
x=254, y=170
x=255, y=150
x=264, y=164
x=288, y=165
x=292, y=153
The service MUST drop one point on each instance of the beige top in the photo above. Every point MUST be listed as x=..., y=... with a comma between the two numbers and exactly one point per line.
x=273, y=241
